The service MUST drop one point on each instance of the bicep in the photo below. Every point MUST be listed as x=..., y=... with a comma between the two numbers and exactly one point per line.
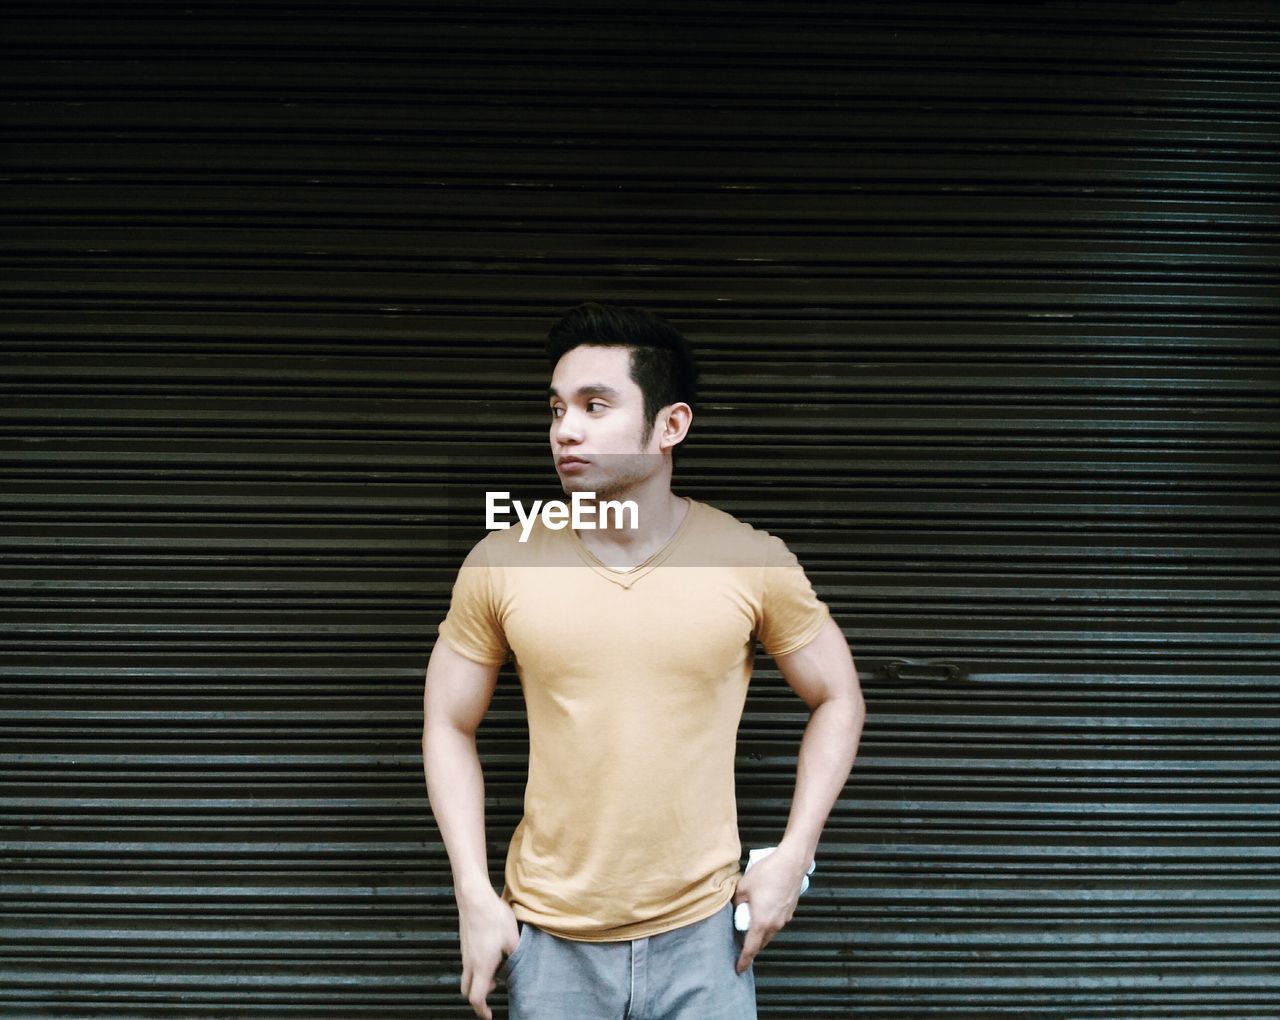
x=458, y=690
x=823, y=669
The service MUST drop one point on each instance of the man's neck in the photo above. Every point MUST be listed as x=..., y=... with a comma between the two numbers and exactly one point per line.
x=660, y=512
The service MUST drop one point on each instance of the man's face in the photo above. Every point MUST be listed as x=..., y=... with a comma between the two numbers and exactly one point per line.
x=598, y=423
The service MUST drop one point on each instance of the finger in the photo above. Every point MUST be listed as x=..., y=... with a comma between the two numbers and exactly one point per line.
x=478, y=1004
x=750, y=946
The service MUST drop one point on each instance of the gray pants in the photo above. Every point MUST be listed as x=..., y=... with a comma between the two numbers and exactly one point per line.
x=684, y=974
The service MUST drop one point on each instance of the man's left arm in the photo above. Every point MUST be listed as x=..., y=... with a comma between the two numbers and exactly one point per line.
x=823, y=674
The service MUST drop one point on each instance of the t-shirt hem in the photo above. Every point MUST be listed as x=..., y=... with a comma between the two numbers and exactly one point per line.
x=797, y=643
x=467, y=652
x=634, y=932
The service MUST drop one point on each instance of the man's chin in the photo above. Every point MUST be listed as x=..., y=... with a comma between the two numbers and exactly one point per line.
x=600, y=490
x=572, y=485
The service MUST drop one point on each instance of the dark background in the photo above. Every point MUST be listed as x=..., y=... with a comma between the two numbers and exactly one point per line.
x=986, y=301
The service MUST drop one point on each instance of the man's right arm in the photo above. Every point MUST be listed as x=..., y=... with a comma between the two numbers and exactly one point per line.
x=456, y=697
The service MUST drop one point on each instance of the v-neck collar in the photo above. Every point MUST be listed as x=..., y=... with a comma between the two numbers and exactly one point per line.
x=626, y=578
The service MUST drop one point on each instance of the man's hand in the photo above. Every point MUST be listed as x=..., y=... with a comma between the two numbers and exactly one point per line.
x=489, y=932
x=772, y=887
x=822, y=673
x=455, y=700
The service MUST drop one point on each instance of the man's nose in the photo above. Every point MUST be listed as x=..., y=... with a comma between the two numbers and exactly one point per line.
x=569, y=427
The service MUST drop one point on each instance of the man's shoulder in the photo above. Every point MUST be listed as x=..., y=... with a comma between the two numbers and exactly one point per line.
x=513, y=547
x=722, y=529
x=492, y=548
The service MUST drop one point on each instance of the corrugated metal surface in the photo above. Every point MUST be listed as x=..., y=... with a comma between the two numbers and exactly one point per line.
x=987, y=300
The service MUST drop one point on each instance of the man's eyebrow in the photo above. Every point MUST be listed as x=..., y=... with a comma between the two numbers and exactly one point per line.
x=589, y=390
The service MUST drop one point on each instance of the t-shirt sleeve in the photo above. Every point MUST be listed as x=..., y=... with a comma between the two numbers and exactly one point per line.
x=472, y=626
x=791, y=614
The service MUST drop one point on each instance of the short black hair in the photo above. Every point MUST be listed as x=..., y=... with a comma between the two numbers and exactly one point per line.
x=662, y=362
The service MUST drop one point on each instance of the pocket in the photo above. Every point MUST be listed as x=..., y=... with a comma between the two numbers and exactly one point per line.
x=504, y=968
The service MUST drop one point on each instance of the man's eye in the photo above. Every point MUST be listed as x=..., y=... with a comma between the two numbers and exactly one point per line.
x=594, y=403
x=556, y=412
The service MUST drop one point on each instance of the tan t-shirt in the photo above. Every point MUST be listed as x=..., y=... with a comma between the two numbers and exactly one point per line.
x=634, y=683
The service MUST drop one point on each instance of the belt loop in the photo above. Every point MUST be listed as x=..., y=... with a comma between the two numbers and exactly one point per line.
x=639, y=978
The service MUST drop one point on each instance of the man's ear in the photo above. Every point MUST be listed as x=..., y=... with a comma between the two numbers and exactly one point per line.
x=673, y=424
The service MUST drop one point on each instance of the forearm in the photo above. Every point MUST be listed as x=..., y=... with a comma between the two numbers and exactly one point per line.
x=827, y=753
x=455, y=787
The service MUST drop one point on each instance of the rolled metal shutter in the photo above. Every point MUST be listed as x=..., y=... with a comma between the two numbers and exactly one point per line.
x=985, y=296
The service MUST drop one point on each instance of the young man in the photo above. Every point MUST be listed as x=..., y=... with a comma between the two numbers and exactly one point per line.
x=634, y=646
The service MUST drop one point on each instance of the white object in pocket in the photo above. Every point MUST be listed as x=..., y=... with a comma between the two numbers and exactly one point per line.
x=742, y=915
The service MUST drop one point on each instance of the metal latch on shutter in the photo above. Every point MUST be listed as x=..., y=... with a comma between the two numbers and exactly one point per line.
x=923, y=672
